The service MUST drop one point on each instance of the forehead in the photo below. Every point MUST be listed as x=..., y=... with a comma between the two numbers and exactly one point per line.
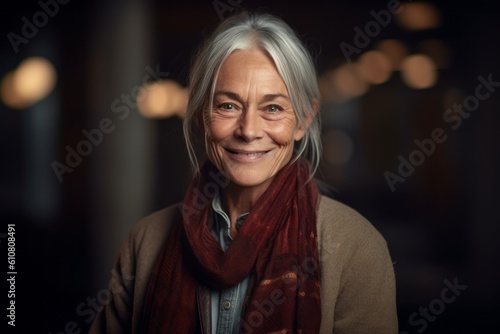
x=250, y=67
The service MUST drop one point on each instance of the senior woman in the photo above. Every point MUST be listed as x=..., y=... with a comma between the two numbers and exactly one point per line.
x=253, y=247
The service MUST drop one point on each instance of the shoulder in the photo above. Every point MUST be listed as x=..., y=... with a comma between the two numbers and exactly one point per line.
x=340, y=225
x=148, y=235
x=358, y=284
x=157, y=219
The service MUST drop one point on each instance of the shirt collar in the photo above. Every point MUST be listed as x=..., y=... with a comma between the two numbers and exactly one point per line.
x=217, y=207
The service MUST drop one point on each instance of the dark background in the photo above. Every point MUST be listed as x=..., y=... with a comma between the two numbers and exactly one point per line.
x=440, y=224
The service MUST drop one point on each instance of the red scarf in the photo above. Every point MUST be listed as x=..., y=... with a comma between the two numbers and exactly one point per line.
x=277, y=243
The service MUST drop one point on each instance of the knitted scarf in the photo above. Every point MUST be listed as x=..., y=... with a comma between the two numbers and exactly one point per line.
x=277, y=243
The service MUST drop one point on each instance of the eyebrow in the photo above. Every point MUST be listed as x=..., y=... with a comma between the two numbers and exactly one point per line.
x=270, y=97
x=266, y=98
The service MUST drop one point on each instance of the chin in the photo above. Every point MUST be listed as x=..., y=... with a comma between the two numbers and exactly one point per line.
x=249, y=179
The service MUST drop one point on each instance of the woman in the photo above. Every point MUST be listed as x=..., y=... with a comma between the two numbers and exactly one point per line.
x=253, y=247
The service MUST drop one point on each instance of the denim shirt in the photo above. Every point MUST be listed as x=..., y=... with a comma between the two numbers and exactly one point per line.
x=226, y=305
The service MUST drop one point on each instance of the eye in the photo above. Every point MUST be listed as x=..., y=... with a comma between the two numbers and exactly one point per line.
x=273, y=108
x=226, y=106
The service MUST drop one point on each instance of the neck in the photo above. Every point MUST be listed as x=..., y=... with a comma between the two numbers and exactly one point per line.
x=237, y=200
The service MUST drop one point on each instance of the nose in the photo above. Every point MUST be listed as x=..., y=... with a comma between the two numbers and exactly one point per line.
x=250, y=125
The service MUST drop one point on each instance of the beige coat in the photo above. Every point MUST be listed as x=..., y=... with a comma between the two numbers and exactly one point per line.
x=357, y=276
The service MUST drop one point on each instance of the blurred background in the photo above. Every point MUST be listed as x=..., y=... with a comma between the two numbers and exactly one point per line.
x=92, y=96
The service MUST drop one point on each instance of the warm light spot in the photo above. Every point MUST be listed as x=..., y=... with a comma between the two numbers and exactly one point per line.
x=438, y=51
x=418, y=71
x=162, y=99
x=342, y=84
x=337, y=147
x=395, y=50
x=374, y=67
x=9, y=96
x=348, y=83
x=32, y=81
x=419, y=16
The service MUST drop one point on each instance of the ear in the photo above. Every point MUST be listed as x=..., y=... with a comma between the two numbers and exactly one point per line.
x=301, y=131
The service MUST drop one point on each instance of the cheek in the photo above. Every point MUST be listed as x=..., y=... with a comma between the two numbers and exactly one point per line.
x=214, y=149
x=219, y=129
x=283, y=133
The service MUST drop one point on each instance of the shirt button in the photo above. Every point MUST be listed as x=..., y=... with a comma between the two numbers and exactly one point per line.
x=226, y=305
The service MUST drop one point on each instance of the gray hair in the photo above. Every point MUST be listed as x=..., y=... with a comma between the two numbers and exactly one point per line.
x=294, y=64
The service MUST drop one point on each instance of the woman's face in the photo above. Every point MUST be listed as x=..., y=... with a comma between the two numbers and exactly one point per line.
x=253, y=127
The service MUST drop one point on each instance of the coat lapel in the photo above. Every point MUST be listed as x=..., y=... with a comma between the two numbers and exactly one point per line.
x=204, y=308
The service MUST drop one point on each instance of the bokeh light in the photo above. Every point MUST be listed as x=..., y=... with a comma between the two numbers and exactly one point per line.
x=419, y=16
x=395, y=51
x=419, y=71
x=348, y=83
x=374, y=67
x=32, y=81
x=162, y=99
x=342, y=84
x=8, y=94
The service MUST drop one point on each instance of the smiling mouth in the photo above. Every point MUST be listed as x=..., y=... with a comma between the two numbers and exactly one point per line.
x=246, y=153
